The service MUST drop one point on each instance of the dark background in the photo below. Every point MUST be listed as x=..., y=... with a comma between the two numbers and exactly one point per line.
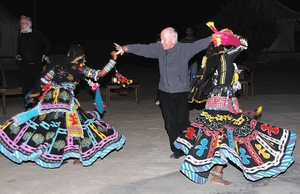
x=77, y=20
x=122, y=22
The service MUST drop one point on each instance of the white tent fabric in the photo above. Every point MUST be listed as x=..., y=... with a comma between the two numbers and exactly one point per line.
x=288, y=20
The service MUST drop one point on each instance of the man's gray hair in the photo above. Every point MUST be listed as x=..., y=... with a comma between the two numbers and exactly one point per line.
x=172, y=31
x=27, y=18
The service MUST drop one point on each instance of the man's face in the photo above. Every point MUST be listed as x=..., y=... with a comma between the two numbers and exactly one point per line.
x=167, y=40
x=189, y=32
x=25, y=25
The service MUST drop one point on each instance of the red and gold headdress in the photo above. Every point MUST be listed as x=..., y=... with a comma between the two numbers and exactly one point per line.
x=223, y=37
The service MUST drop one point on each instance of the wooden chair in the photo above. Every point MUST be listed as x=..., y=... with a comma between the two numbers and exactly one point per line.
x=5, y=91
x=246, y=80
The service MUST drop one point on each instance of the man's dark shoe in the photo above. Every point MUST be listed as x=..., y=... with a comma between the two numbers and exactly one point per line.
x=177, y=155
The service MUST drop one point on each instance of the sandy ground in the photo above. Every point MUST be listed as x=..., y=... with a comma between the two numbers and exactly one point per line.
x=143, y=166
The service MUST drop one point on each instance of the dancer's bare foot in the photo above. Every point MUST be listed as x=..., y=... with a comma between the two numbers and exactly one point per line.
x=76, y=162
x=218, y=176
x=219, y=181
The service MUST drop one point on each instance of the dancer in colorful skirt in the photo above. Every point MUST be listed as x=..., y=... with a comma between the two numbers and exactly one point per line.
x=57, y=128
x=222, y=132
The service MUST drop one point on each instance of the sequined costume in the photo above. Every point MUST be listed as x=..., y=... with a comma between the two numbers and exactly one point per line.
x=57, y=128
x=222, y=133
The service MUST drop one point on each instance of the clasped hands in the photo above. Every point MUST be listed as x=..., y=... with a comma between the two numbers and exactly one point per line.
x=119, y=49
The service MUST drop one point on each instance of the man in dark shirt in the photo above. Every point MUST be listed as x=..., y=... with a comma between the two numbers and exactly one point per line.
x=32, y=48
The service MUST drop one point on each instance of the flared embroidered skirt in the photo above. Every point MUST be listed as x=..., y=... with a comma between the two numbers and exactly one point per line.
x=46, y=139
x=214, y=137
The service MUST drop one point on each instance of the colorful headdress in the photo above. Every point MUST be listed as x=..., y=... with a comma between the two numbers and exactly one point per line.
x=223, y=37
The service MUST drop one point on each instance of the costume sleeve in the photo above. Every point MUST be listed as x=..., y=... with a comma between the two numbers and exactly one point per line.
x=89, y=72
x=233, y=52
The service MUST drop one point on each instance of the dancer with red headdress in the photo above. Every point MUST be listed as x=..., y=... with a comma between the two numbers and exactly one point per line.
x=222, y=132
